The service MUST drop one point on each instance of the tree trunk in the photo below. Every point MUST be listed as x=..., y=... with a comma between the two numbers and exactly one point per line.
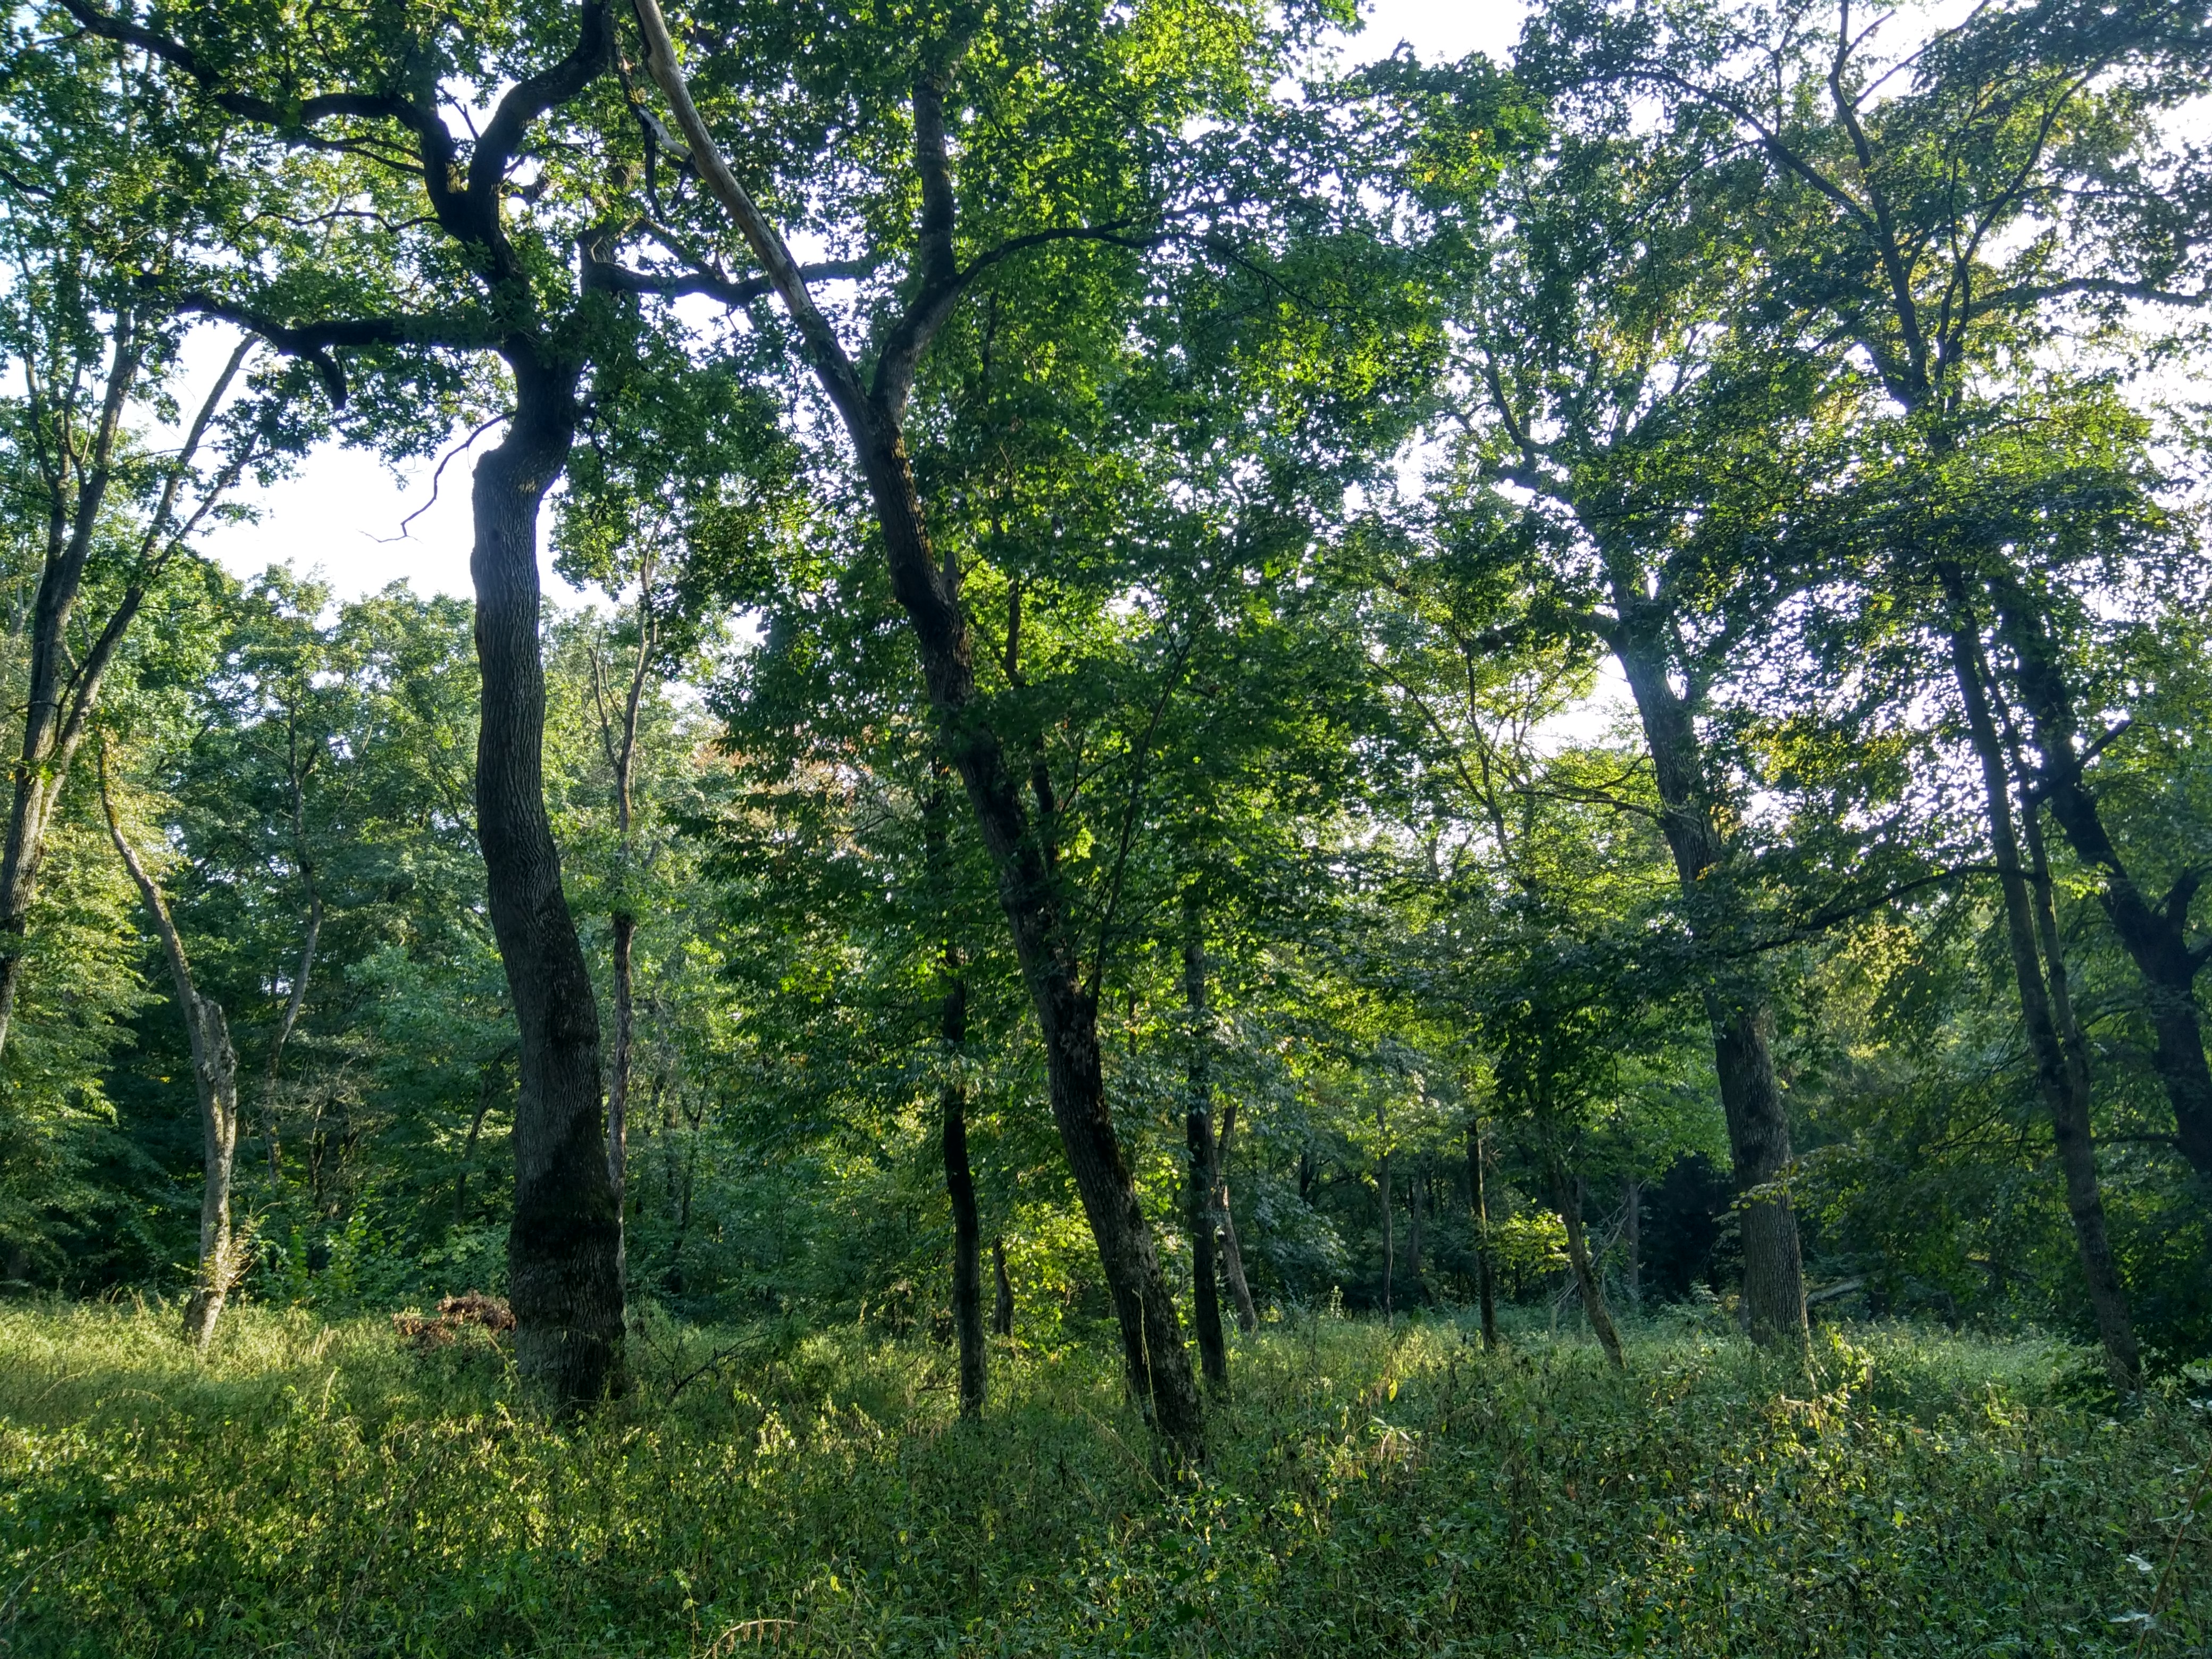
x=1485, y=1276
x=623, y=927
x=622, y=756
x=1743, y=1025
x=2154, y=934
x=1158, y=1371
x=64, y=685
x=1413, y=1197
x=1002, y=1307
x=564, y=1243
x=1567, y=1196
x=293, y=1004
x=1232, y=1256
x=1390, y=1233
x=1203, y=1179
x=2063, y=1079
x=960, y=1187
x=1632, y=1227
x=215, y=1075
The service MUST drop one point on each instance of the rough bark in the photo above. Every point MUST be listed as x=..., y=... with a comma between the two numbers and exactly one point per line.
x=1484, y=1278
x=1157, y=1369
x=215, y=1076
x=2062, y=1079
x=2153, y=933
x=1232, y=1256
x=1567, y=1198
x=1743, y=1025
x=564, y=1243
x=1202, y=1179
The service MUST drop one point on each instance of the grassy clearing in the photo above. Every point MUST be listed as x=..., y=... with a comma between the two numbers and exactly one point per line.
x=311, y=1489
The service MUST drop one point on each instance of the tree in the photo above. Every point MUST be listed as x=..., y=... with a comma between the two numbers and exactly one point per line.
x=1947, y=207
x=964, y=88
x=215, y=1075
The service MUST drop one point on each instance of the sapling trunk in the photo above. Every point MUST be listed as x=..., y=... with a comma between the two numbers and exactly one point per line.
x=1232, y=1257
x=1567, y=1196
x=1479, y=1199
x=960, y=1188
x=215, y=1077
x=1202, y=1181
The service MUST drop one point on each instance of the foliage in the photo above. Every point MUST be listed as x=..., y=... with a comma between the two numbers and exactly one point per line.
x=320, y=1487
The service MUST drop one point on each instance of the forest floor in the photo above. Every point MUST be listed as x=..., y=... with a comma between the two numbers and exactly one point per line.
x=313, y=1488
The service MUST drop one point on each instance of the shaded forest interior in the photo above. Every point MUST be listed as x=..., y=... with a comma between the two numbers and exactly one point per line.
x=1454, y=769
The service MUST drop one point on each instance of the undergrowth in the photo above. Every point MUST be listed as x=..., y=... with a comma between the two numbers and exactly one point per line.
x=315, y=1489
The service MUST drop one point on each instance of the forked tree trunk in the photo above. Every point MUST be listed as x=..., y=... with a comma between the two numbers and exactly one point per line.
x=1567, y=1198
x=1479, y=1196
x=2062, y=1078
x=1045, y=942
x=215, y=1076
x=2154, y=933
x=1232, y=1256
x=66, y=677
x=1743, y=1025
x=1202, y=1179
x=564, y=1243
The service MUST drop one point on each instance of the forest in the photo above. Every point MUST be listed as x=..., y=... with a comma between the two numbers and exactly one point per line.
x=1240, y=846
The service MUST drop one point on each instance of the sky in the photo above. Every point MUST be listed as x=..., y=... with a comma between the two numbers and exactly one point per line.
x=340, y=513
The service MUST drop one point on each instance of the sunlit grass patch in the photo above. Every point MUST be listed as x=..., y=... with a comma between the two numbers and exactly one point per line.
x=314, y=1488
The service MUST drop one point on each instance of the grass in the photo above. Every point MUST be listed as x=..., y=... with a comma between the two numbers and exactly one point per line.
x=311, y=1489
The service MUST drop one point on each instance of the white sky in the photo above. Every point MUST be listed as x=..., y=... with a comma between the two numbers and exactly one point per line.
x=340, y=513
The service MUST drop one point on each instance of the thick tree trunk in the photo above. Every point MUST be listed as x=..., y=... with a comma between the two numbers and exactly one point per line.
x=1002, y=1306
x=1485, y=1277
x=215, y=1076
x=564, y=1243
x=1567, y=1197
x=2062, y=1078
x=1197, y=1126
x=1743, y=1025
x=2154, y=934
x=1232, y=1256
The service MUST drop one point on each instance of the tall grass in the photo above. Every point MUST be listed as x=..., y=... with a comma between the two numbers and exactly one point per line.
x=311, y=1488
